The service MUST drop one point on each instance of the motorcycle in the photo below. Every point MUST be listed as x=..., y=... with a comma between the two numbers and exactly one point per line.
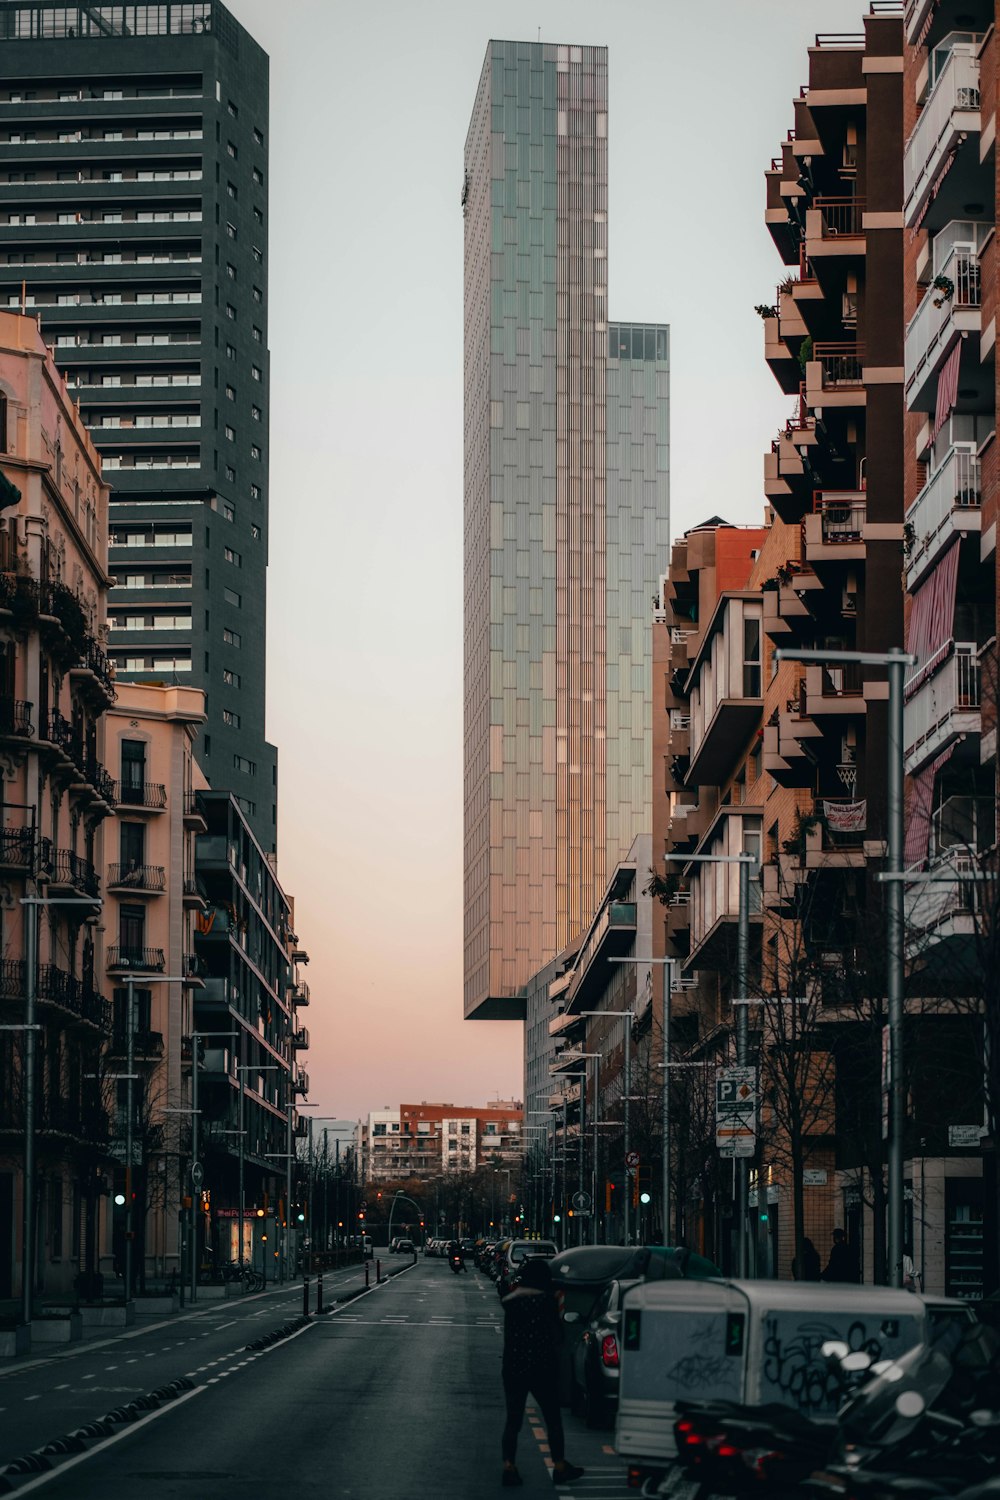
x=456, y=1262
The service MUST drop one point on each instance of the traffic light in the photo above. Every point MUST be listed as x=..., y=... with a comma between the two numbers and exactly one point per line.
x=609, y=1189
x=644, y=1184
x=301, y=1216
x=361, y=1215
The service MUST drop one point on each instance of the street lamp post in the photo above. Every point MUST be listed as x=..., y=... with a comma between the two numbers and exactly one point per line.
x=583, y=1082
x=242, y=1068
x=30, y=1028
x=668, y=979
x=629, y=1017
x=895, y=661
x=746, y=862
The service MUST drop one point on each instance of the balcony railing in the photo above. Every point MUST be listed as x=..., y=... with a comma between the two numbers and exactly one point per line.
x=964, y=824
x=56, y=987
x=842, y=365
x=954, y=487
x=841, y=216
x=300, y=1038
x=138, y=877
x=842, y=515
x=15, y=718
x=951, y=110
x=72, y=870
x=151, y=794
x=948, y=308
x=17, y=848
x=944, y=704
x=96, y=661
x=145, y=1044
x=148, y=960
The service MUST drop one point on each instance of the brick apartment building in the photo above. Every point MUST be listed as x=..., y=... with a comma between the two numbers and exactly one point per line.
x=427, y=1140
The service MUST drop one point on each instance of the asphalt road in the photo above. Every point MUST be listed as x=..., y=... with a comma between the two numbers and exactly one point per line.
x=396, y=1396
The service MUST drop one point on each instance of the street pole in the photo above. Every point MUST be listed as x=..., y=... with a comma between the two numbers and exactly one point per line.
x=894, y=976
x=195, y=1187
x=628, y=1093
x=28, y=1206
x=668, y=972
x=742, y=1043
x=240, y=1121
x=286, y=1238
x=583, y=1131
x=129, y=1127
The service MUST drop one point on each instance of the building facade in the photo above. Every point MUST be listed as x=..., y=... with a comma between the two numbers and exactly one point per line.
x=566, y=513
x=56, y=790
x=424, y=1141
x=134, y=161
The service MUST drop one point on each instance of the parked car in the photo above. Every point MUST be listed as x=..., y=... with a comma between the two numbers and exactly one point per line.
x=595, y=1360
x=515, y=1253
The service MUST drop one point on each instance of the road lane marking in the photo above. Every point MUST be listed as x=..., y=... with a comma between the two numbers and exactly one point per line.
x=221, y=1326
x=32, y=1398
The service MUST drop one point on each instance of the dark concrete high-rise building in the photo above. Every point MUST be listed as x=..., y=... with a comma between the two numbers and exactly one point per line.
x=566, y=522
x=133, y=221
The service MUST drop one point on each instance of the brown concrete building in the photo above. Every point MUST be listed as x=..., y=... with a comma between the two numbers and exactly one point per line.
x=56, y=685
x=425, y=1140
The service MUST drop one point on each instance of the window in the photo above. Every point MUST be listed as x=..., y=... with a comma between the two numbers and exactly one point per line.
x=233, y=557
x=230, y=718
x=232, y=597
x=133, y=775
x=255, y=492
x=258, y=336
x=256, y=373
x=248, y=767
x=258, y=176
x=230, y=393
x=231, y=638
x=230, y=351
x=751, y=656
x=257, y=254
x=255, y=531
x=230, y=312
x=230, y=474
x=254, y=451
x=258, y=215
x=231, y=678
x=258, y=295
x=256, y=413
x=233, y=110
x=258, y=136
x=231, y=231
x=232, y=150
x=232, y=190
x=228, y=511
x=230, y=433
x=230, y=270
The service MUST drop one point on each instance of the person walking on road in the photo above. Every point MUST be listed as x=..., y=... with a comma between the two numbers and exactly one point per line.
x=842, y=1265
x=532, y=1335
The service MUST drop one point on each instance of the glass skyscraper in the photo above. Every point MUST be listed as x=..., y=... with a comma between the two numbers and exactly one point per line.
x=566, y=521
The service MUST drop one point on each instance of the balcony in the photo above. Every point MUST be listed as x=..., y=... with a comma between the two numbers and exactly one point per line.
x=834, y=227
x=145, y=880
x=300, y=1039
x=301, y=1084
x=832, y=692
x=943, y=705
x=147, y=1046
x=950, y=308
x=835, y=530
x=15, y=719
x=95, y=673
x=68, y=871
x=940, y=922
x=950, y=114
x=194, y=816
x=55, y=987
x=611, y=933
x=783, y=882
x=715, y=887
x=835, y=375
x=948, y=504
x=17, y=849
x=149, y=796
x=194, y=896
x=122, y=958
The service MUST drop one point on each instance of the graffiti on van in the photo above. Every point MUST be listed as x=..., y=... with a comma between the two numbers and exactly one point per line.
x=696, y=1371
x=794, y=1362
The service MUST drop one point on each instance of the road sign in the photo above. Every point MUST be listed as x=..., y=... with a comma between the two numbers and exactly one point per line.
x=736, y=1111
x=581, y=1202
x=197, y=1174
x=631, y=1158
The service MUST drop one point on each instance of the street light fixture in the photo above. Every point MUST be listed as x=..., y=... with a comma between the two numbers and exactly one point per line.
x=668, y=980
x=895, y=661
x=629, y=1017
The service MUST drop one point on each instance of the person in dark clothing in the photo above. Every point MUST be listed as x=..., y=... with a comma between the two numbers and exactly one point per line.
x=842, y=1265
x=809, y=1270
x=455, y=1253
x=532, y=1335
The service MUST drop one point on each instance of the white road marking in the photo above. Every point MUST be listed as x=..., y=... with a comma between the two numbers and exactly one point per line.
x=227, y=1325
x=32, y=1398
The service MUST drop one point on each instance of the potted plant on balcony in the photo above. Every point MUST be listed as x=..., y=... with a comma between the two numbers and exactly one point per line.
x=946, y=287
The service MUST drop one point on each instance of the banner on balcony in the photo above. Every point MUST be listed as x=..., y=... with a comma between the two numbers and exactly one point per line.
x=846, y=817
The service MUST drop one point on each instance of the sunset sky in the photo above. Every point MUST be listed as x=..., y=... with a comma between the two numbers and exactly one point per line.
x=369, y=110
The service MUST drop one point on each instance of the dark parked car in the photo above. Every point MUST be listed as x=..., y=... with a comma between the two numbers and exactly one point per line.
x=516, y=1252
x=595, y=1359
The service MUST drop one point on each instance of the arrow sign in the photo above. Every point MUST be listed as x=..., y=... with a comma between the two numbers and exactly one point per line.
x=631, y=1158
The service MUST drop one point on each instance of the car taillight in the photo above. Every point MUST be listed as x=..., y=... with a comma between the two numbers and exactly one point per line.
x=609, y=1351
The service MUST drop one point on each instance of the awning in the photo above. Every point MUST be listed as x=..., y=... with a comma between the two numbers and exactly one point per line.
x=920, y=810
x=932, y=618
x=947, y=390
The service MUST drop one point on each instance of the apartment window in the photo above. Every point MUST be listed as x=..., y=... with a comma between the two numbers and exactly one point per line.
x=258, y=136
x=230, y=393
x=230, y=718
x=254, y=451
x=230, y=270
x=231, y=231
x=258, y=176
x=255, y=532
x=255, y=492
x=232, y=597
x=751, y=657
x=230, y=351
x=232, y=638
x=233, y=557
x=233, y=110
x=258, y=336
x=230, y=312
x=228, y=511
x=231, y=150
x=258, y=215
x=256, y=373
x=257, y=254
x=232, y=190
x=114, y=217
x=230, y=474
x=230, y=433
x=258, y=295
x=248, y=767
x=256, y=413
x=231, y=678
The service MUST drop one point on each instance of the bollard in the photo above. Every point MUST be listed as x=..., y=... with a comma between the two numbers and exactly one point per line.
x=367, y=1267
x=305, y=1296
x=378, y=1273
x=319, y=1292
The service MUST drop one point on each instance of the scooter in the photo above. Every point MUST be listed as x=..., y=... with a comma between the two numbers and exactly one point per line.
x=457, y=1263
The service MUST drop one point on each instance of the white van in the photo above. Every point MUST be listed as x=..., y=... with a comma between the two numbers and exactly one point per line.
x=747, y=1341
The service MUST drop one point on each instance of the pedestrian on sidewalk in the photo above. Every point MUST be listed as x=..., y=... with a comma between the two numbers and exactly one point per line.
x=532, y=1336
